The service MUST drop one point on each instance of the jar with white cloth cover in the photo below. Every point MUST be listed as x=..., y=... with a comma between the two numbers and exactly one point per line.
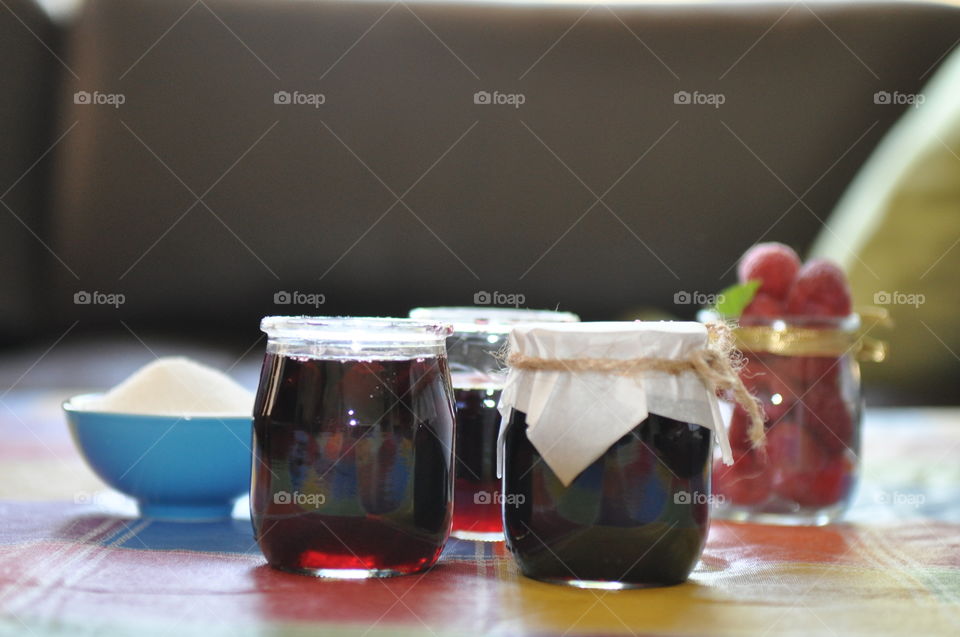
x=606, y=445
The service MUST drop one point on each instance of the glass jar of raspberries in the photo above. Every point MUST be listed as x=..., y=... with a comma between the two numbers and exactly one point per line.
x=802, y=345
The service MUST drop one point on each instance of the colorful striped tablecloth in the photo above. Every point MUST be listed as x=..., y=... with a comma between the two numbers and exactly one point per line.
x=76, y=560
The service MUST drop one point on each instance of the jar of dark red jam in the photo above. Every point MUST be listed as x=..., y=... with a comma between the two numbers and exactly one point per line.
x=353, y=446
x=609, y=485
x=475, y=352
x=624, y=521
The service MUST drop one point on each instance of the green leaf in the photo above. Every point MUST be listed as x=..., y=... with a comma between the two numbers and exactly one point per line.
x=732, y=300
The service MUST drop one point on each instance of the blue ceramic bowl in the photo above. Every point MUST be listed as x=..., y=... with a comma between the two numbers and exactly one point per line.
x=189, y=468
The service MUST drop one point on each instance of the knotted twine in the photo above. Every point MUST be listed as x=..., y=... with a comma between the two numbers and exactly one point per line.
x=718, y=365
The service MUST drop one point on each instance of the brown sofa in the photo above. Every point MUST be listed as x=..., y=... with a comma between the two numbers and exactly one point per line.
x=700, y=128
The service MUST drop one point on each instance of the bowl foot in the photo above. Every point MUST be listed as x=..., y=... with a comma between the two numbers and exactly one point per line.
x=185, y=512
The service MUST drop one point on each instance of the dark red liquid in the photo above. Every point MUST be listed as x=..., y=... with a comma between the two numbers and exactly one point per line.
x=476, y=508
x=353, y=463
x=638, y=515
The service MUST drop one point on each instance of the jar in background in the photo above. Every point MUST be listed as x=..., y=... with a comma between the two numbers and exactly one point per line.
x=353, y=446
x=806, y=375
x=474, y=351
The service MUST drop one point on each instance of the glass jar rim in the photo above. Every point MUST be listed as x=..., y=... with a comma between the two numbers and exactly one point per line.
x=358, y=329
x=489, y=320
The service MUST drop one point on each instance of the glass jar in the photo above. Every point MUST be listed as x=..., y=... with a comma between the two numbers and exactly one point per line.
x=353, y=446
x=636, y=516
x=806, y=375
x=474, y=349
x=610, y=487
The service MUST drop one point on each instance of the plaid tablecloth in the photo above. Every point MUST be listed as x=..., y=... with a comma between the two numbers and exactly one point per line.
x=75, y=559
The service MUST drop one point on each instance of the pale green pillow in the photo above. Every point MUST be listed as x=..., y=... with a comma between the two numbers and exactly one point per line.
x=896, y=231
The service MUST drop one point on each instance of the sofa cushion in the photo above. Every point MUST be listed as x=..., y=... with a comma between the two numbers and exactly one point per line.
x=896, y=231
x=220, y=182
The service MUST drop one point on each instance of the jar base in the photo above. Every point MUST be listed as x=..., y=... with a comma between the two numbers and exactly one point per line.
x=478, y=536
x=185, y=512
x=607, y=585
x=348, y=573
x=802, y=517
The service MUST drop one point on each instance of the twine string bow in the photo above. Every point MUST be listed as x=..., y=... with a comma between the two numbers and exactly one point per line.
x=718, y=366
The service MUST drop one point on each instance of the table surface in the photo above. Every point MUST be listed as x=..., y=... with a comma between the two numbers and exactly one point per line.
x=75, y=559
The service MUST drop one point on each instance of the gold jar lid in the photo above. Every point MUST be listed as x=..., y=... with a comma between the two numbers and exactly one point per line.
x=849, y=335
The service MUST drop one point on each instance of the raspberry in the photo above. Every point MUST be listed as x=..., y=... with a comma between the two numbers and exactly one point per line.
x=793, y=449
x=766, y=379
x=832, y=483
x=813, y=373
x=819, y=290
x=746, y=482
x=763, y=306
x=774, y=264
x=825, y=487
x=827, y=416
